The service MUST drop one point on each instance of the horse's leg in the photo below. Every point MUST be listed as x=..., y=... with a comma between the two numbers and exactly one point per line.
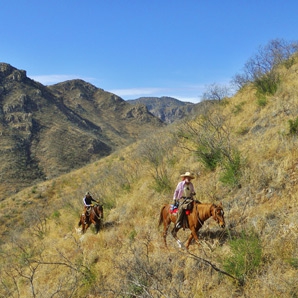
x=82, y=223
x=88, y=224
x=83, y=227
x=174, y=234
x=97, y=226
x=166, y=225
x=189, y=241
x=193, y=235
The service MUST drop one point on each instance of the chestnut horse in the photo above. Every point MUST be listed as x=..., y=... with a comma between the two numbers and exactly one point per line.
x=95, y=217
x=195, y=220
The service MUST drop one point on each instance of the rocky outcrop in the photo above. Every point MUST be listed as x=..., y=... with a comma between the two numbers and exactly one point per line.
x=167, y=109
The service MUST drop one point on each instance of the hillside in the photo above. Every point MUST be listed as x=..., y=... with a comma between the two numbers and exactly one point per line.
x=48, y=131
x=243, y=152
x=167, y=109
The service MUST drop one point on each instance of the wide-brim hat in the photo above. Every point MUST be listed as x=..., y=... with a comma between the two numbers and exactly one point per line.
x=188, y=174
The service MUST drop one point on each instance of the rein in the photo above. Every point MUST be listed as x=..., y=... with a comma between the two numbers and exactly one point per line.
x=98, y=216
x=215, y=217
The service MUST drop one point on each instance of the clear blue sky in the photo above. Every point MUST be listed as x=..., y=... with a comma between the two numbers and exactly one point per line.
x=137, y=48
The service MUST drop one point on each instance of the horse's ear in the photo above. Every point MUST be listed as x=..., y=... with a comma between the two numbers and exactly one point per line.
x=220, y=204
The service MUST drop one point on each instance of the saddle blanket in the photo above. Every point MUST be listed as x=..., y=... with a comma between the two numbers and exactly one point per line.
x=173, y=209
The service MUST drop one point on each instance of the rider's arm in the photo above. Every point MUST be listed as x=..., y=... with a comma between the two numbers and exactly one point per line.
x=93, y=200
x=178, y=191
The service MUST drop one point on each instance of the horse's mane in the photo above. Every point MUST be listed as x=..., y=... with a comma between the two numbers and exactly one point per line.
x=203, y=209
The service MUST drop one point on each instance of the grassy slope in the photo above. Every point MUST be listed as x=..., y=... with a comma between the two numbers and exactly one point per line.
x=129, y=250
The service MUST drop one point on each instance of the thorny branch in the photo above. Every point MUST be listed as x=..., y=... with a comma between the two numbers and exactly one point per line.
x=206, y=262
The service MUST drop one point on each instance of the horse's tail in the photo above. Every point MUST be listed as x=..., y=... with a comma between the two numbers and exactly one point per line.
x=161, y=215
x=80, y=222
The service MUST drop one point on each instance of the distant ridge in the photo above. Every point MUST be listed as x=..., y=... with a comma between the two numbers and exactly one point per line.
x=168, y=109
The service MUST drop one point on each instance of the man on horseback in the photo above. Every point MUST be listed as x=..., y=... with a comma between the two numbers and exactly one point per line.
x=88, y=205
x=183, y=194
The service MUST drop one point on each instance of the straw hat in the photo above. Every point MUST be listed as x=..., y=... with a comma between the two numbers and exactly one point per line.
x=188, y=174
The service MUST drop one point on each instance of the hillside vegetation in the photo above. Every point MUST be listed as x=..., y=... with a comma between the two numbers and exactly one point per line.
x=243, y=152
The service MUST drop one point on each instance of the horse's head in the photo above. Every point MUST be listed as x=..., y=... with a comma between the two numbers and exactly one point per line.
x=98, y=210
x=218, y=214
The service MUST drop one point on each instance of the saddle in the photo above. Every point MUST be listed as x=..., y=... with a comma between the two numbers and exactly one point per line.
x=186, y=206
x=88, y=210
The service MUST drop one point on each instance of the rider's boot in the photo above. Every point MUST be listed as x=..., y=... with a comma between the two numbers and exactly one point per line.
x=178, y=224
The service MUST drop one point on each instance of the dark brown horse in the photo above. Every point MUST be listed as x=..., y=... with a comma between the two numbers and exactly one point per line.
x=95, y=217
x=195, y=220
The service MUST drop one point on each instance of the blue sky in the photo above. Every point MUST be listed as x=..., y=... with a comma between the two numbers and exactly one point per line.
x=141, y=48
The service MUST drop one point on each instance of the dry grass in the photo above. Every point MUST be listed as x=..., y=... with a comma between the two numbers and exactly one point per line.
x=127, y=257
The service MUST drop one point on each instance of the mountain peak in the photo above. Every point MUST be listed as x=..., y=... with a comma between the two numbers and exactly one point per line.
x=9, y=72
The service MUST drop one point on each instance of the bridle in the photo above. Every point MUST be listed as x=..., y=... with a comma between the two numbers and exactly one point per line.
x=216, y=215
x=99, y=216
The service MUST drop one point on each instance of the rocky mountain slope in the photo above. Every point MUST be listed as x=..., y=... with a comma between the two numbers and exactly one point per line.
x=167, y=109
x=48, y=131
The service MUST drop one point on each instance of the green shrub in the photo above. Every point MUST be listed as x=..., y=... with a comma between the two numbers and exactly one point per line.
x=210, y=157
x=289, y=62
x=242, y=130
x=132, y=235
x=261, y=100
x=125, y=187
x=246, y=255
x=293, y=126
x=293, y=262
x=238, y=108
x=56, y=214
x=109, y=204
x=267, y=84
x=162, y=183
x=231, y=170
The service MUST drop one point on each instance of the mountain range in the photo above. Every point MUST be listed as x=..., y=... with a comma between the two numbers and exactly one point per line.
x=46, y=131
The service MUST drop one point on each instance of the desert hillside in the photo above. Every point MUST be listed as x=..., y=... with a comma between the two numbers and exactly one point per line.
x=243, y=152
x=46, y=131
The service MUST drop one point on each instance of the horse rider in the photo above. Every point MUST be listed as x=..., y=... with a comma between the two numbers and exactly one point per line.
x=88, y=205
x=184, y=192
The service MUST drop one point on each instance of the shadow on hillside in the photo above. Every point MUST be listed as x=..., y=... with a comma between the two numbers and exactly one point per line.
x=220, y=235
x=110, y=224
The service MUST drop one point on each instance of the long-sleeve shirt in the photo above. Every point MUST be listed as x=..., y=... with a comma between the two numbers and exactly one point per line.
x=88, y=201
x=183, y=190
